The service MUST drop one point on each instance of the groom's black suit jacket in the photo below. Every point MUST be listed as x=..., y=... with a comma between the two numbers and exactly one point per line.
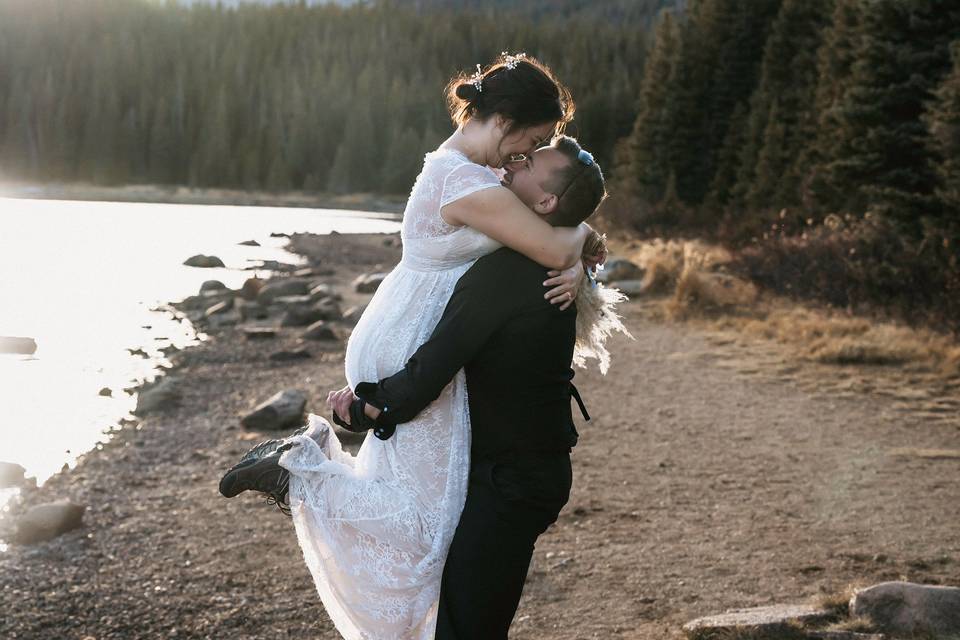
x=516, y=348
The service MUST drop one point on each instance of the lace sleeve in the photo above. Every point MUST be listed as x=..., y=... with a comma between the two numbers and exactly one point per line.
x=465, y=179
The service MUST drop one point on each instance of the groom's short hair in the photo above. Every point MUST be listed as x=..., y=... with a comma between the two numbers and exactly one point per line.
x=579, y=187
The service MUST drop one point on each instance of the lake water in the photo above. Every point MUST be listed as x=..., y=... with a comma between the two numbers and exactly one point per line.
x=84, y=280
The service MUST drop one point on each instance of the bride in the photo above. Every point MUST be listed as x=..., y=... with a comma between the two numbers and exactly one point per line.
x=375, y=529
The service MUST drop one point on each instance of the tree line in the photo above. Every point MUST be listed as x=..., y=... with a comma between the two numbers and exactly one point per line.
x=819, y=137
x=277, y=97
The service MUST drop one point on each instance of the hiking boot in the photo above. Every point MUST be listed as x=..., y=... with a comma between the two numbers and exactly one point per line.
x=258, y=470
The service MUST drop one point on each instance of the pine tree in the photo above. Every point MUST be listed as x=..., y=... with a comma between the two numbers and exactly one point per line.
x=780, y=123
x=944, y=123
x=647, y=170
x=887, y=163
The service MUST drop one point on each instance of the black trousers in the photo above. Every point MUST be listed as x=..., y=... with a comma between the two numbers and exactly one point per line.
x=509, y=504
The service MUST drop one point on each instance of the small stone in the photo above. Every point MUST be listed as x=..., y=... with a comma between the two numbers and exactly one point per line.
x=250, y=243
x=285, y=356
x=9, y=344
x=368, y=283
x=106, y=391
x=763, y=622
x=320, y=330
x=45, y=521
x=259, y=333
x=11, y=474
x=212, y=285
x=203, y=261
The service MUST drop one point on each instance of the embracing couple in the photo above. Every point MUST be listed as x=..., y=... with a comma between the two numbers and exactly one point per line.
x=460, y=372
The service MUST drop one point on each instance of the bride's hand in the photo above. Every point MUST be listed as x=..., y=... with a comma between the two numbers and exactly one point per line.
x=566, y=285
x=339, y=402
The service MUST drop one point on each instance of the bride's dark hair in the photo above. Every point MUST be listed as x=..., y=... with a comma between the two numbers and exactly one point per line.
x=527, y=94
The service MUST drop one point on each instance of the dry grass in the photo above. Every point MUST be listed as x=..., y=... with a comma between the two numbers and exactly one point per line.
x=690, y=276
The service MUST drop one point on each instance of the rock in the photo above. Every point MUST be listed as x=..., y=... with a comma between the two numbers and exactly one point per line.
x=322, y=291
x=277, y=234
x=273, y=265
x=203, y=261
x=211, y=285
x=283, y=409
x=286, y=356
x=619, y=269
x=368, y=283
x=319, y=330
x=158, y=395
x=259, y=333
x=12, y=344
x=300, y=313
x=909, y=608
x=250, y=243
x=251, y=310
x=49, y=520
x=771, y=622
x=106, y=391
x=138, y=352
x=844, y=635
x=251, y=288
x=293, y=301
x=630, y=288
x=221, y=307
x=282, y=287
x=224, y=319
x=11, y=475
x=306, y=272
x=352, y=315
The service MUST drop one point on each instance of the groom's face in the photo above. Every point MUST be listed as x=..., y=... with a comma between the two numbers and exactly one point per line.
x=529, y=178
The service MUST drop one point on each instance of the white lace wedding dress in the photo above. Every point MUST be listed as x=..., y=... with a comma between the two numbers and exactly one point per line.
x=375, y=528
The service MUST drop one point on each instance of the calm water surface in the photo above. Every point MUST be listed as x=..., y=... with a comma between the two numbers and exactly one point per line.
x=84, y=280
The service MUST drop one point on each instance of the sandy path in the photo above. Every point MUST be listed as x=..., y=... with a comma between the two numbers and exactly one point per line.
x=699, y=486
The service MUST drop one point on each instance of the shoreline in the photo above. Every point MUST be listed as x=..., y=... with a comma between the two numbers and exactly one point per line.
x=685, y=501
x=173, y=194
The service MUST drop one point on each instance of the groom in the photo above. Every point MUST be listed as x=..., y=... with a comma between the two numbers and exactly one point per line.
x=517, y=349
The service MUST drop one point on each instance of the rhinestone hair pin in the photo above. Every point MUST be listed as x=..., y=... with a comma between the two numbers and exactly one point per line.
x=477, y=79
x=510, y=62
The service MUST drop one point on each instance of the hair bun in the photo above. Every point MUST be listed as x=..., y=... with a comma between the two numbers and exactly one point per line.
x=467, y=91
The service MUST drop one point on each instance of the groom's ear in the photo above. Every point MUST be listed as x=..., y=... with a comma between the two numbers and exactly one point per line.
x=547, y=204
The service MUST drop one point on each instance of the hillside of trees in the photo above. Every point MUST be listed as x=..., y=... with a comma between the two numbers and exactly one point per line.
x=820, y=137
x=276, y=97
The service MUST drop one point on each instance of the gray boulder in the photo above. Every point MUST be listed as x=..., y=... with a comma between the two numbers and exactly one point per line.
x=302, y=315
x=282, y=287
x=250, y=243
x=283, y=409
x=619, y=269
x=251, y=288
x=368, y=282
x=203, y=261
x=11, y=475
x=9, y=344
x=49, y=520
x=158, y=395
x=910, y=608
x=763, y=623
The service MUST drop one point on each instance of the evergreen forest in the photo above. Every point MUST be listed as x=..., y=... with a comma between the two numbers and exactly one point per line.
x=277, y=97
x=820, y=138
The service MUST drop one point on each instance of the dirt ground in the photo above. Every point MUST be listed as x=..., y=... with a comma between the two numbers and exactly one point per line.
x=716, y=473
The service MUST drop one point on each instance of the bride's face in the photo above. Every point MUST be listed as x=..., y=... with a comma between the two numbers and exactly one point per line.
x=522, y=141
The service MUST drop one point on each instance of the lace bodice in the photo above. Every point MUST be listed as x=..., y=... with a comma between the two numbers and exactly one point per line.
x=447, y=175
